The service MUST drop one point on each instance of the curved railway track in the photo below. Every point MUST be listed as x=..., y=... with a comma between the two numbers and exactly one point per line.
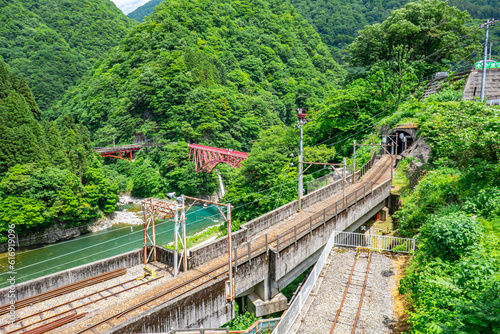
x=216, y=272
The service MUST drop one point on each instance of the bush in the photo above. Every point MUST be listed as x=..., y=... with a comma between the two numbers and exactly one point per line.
x=485, y=203
x=436, y=190
x=449, y=235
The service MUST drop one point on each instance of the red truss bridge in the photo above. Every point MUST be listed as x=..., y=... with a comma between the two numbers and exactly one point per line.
x=122, y=152
x=205, y=158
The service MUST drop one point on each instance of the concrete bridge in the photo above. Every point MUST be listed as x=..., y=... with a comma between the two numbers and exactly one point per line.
x=270, y=252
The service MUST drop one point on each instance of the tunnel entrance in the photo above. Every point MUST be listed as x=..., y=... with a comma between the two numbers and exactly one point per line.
x=404, y=141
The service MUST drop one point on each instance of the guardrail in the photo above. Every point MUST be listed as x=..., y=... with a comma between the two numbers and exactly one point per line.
x=346, y=239
x=375, y=242
x=259, y=327
x=332, y=177
x=309, y=224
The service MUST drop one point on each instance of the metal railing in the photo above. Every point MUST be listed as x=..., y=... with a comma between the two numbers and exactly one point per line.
x=375, y=242
x=200, y=331
x=347, y=239
x=259, y=327
x=295, y=309
x=325, y=180
x=306, y=226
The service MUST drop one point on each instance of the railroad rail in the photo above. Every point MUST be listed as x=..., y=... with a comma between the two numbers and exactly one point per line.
x=343, y=316
x=63, y=290
x=246, y=252
x=52, y=312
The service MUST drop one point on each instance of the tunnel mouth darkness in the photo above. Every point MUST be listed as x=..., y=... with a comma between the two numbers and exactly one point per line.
x=403, y=139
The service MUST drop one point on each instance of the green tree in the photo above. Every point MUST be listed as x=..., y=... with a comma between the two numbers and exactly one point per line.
x=55, y=147
x=435, y=32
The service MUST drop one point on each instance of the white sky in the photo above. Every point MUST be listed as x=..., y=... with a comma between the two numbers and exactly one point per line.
x=128, y=6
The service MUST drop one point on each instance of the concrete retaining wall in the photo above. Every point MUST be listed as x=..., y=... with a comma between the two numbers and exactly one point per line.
x=49, y=282
x=201, y=255
x=203, y=307
x=166, y=256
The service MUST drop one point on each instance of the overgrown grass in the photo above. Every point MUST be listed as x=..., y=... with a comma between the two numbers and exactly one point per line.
x=400, y=180
x=199, y=237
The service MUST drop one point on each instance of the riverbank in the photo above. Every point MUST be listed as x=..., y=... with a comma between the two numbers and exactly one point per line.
x=128, y=212
x=37, y=261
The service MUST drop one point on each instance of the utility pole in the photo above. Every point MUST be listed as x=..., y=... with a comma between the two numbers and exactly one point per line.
x=354, y=161
x=371, y=144
x=229, y=251
x=176, y=239
x=344, y=181
x=483, y=81
x=301, y=115
x=184, y=243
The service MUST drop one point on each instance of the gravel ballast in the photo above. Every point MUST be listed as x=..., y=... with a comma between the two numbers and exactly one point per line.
x=377, y=314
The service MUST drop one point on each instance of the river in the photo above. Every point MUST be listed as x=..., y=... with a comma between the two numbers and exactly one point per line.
x=32, y=262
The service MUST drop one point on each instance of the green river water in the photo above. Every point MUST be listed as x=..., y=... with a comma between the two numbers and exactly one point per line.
x=32, y=262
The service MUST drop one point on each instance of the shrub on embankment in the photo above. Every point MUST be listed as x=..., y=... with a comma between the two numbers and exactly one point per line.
x=453, y=282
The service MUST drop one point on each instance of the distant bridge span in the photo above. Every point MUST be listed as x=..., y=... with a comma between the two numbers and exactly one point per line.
x=205, y=158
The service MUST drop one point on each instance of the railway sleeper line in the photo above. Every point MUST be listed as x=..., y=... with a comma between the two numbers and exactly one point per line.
x=349, y=309
x=43, y=317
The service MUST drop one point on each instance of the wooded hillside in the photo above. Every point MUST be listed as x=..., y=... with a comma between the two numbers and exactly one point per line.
x=53, y=43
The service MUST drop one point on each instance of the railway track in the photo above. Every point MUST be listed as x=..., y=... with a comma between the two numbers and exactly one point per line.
x=29, y=301
x=348, y=313
x=206, y=277
x=66, y=312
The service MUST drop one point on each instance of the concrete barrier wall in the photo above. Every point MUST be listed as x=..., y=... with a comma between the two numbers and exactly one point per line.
x=269, y=219
x=49, y=282
x=204, y=307
x=216, y=248
x=166, y=256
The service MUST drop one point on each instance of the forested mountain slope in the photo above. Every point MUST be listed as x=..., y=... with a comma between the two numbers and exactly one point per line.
x=53, y=43
x=211, y=71
x=48, y=172
x=338, y=22
x=141, y=12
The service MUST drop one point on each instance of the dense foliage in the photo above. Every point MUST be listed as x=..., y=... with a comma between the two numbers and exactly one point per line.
x=140, y=13
x=453, y=283
x=53, y=43
x=431, y=30
x=211, y=71
x=338, y=22
x=48, y=172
